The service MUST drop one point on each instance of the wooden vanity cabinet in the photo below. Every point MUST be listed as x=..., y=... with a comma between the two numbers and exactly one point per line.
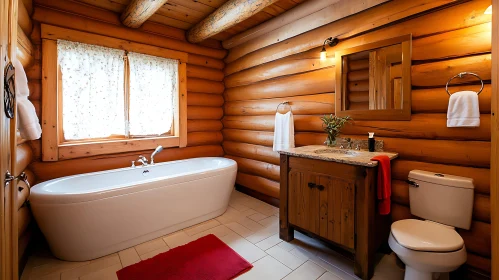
x=336, y=203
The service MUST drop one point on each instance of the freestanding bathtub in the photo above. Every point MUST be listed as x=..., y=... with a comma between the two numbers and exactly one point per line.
x=91, y=215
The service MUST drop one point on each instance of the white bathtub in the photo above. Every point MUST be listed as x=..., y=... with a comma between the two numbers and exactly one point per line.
x=91, y=215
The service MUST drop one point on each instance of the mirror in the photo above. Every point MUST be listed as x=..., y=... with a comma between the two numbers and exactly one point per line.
x=373, y=81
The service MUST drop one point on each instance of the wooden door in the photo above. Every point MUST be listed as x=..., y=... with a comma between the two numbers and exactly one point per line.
x=8, y=193
x=304, y=200
x=323, y=205
x=337, y=208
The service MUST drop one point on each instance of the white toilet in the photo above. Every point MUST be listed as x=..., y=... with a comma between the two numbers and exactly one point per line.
x=432, y=247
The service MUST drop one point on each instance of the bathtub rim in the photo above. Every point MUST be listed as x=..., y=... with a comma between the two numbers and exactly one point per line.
x=41, y=197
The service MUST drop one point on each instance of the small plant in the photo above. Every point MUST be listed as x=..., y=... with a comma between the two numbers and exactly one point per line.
x=332, y=125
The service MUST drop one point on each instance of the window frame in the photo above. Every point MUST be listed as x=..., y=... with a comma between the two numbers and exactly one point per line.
x=54, y=147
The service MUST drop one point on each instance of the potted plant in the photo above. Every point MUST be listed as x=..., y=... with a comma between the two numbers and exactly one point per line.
x=332, y=125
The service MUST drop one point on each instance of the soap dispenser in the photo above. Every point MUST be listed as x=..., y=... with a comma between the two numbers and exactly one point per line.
x=371, y=142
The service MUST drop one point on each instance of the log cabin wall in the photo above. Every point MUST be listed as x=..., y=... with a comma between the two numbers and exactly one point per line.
x=26, y=53
x=448, y=37
x=204, y=84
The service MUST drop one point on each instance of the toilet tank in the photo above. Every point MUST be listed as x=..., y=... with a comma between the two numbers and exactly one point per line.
x=441, y=198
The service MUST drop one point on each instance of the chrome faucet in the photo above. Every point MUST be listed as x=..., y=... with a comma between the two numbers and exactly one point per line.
x=143, y=160
x=157, y=151
x=349, y=143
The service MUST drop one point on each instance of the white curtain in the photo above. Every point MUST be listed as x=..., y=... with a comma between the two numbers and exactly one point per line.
x=92, y=90
x=153, y=86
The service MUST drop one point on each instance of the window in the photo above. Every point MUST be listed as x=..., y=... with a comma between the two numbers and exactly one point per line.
x=102, y=98
x=111, y=93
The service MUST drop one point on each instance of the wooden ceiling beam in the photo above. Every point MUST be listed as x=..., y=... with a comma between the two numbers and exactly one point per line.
x=228, y=15
x=138, y=11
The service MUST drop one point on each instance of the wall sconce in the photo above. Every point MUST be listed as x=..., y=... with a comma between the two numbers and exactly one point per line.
x=488, y=11
x=331, y=42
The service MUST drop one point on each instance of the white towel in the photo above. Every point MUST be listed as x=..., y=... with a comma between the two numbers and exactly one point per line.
x=284, y=131
x=27, y=123
x=463, y=110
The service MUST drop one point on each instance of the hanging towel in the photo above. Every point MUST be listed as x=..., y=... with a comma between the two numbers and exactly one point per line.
x=463, y=110
x=284, y=131
x=384, y=190
x=27, y=123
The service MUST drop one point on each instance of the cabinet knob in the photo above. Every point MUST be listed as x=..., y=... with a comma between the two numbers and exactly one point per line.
x=312, y=185
x=320, y=187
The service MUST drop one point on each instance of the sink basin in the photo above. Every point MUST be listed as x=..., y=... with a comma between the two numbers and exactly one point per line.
x=338, y=152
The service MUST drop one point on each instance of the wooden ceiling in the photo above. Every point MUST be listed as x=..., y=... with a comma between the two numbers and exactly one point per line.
x=184, y=14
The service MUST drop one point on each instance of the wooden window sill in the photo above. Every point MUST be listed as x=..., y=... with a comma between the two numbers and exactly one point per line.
x=78, y=150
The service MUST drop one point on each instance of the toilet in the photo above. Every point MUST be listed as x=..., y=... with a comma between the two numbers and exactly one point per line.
x=432, y=247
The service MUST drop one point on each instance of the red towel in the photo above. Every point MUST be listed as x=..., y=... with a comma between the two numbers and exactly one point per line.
x=384, y=184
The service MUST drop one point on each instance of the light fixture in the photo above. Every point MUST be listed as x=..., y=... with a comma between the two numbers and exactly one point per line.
x=488, y=11
x=331, y=42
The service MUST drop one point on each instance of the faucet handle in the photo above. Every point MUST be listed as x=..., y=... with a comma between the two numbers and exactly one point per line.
x=133, y=163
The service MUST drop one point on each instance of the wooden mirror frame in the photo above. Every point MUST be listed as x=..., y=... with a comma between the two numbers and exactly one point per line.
x=384, y=114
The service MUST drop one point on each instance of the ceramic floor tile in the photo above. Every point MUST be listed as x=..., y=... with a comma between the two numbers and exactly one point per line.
x=270, y=221
x=250, y=224
x=249, y=212
x=266, y=268
x=178, y=238
x=238, y=206
x=243, y=247
x=308, y=270
x=93, y=266
x=56, y=266
x=239, y=229
x=153, y=253
x=286, y=245
x=337, y=260
x=257, y=217
x=334, y=269
x=262, y=234
x=285, y=257
x=231, y=215
x=103, y=274
x=201, y=227
x=269, y=242
x=128, y=257
x=329, y=276
x=388, y=269
x=219, y=231
x=150, y=246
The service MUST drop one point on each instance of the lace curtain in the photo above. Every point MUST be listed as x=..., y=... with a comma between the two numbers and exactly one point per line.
x=92, y=90
x=153, y=85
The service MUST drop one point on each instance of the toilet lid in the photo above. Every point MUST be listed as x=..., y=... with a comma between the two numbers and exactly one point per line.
x=426, y=236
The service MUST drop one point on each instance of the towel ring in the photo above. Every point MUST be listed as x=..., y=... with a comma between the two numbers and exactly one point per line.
x=284, y=103
x=460, y=75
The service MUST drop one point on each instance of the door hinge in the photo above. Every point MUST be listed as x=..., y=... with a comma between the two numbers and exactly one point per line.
x=8, y=178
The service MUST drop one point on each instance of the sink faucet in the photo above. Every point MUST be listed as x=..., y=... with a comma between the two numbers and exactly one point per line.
x=349, y=143
x=143, y=160
x=157, y=151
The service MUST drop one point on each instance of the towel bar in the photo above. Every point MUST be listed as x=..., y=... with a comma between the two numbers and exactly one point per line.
x=460, y=75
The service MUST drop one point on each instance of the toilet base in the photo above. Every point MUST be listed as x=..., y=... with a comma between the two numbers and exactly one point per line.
x=414, y=274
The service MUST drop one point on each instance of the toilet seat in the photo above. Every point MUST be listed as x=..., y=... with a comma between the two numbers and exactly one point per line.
x=426, y=236
x=428, y=261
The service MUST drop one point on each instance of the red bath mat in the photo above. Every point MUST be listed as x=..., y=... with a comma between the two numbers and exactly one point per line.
x=207, y=258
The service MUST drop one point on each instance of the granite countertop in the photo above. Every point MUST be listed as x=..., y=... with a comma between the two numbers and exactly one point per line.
x=322, y=152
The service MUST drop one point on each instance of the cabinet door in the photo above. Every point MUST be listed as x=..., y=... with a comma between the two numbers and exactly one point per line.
x=337, y=219
x=303, y=200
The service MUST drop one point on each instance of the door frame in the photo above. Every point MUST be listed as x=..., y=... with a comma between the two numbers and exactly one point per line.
x=494, y=160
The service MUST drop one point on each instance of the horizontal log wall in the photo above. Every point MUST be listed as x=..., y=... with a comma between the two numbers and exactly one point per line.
x=26, y=53
x=204, y=85
x=446, y=41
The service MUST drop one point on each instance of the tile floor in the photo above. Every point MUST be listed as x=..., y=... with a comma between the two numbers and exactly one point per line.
x=249, y=226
